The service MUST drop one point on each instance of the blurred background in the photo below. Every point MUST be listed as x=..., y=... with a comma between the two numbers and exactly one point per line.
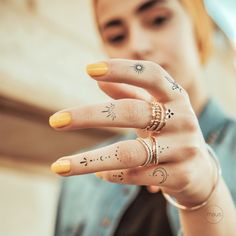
x=45, y=46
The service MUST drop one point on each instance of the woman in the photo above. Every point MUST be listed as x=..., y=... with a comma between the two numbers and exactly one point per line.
x=156, y=88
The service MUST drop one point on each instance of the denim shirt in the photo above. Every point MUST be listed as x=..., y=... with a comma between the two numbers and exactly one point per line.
x=89, y=206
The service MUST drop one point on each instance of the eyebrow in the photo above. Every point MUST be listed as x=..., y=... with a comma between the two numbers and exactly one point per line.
x=144, y=7
x=148, y=5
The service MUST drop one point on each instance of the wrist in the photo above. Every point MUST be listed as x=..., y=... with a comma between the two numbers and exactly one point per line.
x=195, y=198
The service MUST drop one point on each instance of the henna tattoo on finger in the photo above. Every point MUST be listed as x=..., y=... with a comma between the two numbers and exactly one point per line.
x=116, y=154
x=85, y=161
x=119, y=176
x=169, y=114
x=138, y=68
x=160, y=171
x=174, y=84
x=110, y=111
x=162, y=149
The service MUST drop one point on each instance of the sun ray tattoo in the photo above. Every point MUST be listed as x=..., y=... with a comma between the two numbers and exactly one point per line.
x=110, y=111
x=175, y=86
x=138, y=68
x=162, y=172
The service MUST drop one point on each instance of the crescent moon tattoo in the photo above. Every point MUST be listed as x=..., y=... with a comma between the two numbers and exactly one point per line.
x=163, y=173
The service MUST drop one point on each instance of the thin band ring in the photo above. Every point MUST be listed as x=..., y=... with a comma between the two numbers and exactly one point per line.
x=150, y=144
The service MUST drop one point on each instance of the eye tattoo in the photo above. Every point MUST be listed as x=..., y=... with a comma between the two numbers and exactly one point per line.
x=138, y=68
x=119, y=176
x=169, y=113
x=162, y=172
x=175, y=86
x=110, y=111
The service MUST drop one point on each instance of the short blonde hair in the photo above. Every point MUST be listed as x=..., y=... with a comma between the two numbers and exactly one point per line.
x=202, y=23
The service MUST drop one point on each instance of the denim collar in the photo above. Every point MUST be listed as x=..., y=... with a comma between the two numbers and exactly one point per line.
x=211, y=119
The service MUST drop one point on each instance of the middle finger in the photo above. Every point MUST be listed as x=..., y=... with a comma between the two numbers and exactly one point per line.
x=131, y=113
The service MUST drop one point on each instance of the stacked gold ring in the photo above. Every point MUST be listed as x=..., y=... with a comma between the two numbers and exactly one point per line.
x=151, y=147
x=158, y=120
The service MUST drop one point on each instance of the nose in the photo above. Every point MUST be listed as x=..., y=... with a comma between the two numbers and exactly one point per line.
x=140, y=43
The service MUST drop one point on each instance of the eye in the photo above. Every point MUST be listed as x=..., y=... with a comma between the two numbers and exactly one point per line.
x=116, y=39
x=160, y=20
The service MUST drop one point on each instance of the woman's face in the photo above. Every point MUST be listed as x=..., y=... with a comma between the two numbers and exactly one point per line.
x=154, y=30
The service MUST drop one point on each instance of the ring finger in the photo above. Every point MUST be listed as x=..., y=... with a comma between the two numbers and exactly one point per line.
x=121, y=155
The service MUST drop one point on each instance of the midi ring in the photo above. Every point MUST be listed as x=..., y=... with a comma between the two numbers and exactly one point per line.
x=151, y=146
x=158, y=120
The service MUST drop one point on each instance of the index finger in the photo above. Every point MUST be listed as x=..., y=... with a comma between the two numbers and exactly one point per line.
x=144, y=74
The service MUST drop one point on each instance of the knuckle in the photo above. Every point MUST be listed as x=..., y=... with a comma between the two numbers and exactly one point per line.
x=127, y=156
x=157, y=73
x=191, y=125
x=132, y=175
x=192, y=150
x=186, y=176
x=89, y=114
x=131, y=113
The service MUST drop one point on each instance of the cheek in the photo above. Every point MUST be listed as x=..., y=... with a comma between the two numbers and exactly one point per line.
x=182, y=55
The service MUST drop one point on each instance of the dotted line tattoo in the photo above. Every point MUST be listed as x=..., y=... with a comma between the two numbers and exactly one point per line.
x=110, y=111
x=116, y=154
x=138, y=68
x=175, y=86
x=161, y=172
x=85, y=161
x=162, y=149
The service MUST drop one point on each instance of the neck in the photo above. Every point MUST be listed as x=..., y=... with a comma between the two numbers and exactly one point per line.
x=198, y=96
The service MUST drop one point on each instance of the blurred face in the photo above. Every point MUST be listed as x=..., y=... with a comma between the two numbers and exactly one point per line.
x=155, y=30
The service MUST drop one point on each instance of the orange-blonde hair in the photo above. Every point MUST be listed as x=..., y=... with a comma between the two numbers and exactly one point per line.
x=203, y=26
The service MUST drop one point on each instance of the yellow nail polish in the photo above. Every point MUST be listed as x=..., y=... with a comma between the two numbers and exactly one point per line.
x=61, y=166
x=60, y=120
x=97, y=69
x=98, y=175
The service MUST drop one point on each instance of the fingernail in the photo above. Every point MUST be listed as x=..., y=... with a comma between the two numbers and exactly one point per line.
x=60, y=120
x=97, y=69
x=61, y=166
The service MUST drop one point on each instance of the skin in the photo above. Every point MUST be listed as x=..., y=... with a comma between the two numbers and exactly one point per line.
x=169, y=41
x=167, y=48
